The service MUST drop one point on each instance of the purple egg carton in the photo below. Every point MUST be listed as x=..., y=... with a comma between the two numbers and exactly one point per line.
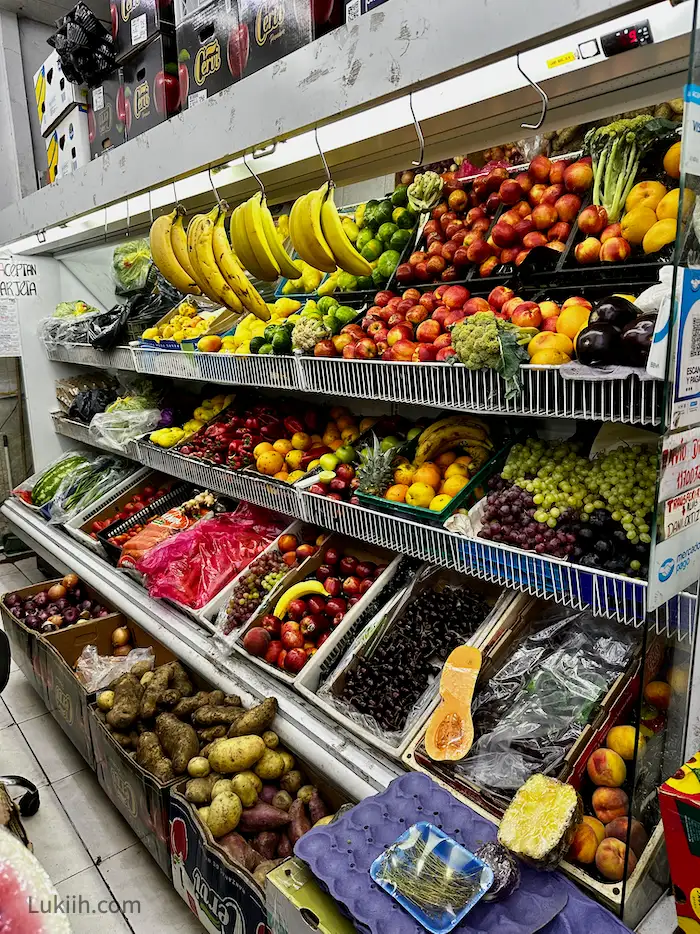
x=340, y=855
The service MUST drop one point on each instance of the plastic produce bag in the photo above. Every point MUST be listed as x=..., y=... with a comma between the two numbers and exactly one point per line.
x=55, y=331
x=86, y=485
x=97, y=671
x=89, y=403
x=41, y=487
x=132, y=267
x=69, y=388
x=117, y=428
x=73, y=309
x=530, y=713
x=105, y=330
x=192, y=567
x=87, y=50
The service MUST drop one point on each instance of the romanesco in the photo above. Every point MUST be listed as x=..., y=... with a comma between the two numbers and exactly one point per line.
x=307, y=333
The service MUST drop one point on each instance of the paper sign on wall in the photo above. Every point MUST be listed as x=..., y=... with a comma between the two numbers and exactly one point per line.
x=18, y=279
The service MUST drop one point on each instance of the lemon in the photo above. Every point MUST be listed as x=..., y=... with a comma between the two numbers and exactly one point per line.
x=438, y=503
x=420, y=494
x=663, y=232
x=636, y=223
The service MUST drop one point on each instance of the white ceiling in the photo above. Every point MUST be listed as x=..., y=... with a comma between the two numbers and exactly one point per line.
x=48, y=11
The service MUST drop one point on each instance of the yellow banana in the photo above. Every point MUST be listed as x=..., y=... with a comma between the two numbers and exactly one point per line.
x=344, y=253
x=207, y=263
x=258, y=241
x=178, y=241
x=234, y=275
x=305, y=225
x=192, y=229
x=241, y=245
x=164, y=256
x=296, y=591
x=288, y=268
x=452, y=421
x=445, y=439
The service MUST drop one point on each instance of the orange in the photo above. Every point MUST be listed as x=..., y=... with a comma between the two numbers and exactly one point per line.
x=282, y=446
x=428, y=474
x=420, y=494
x=456, y=470
x=293, y=459
x=281, y=475
x=301, y=441
x=572, y=319
x=438, y=503
x=261, y=448
x=454, y=485
x=404, y=474
x=397, y=493
x=464, y=459
x=444, y=460
x=270, y=463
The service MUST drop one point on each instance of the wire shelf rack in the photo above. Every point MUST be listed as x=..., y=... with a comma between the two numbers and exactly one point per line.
x=80, y=432
x=119, y=358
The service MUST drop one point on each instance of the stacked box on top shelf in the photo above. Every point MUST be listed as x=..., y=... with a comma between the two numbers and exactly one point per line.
x=151, y=85
x=137, y=22
x=107, y=115
x=54, y=94
x=211, y=48
x=68, y=144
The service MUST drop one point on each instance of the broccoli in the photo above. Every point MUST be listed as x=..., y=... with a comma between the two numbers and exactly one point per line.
x=617, y=150
x=484, y=341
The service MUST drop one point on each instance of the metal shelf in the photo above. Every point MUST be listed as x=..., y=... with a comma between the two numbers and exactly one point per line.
x=120, y=358
x=606, y=594
x=80, y=432
x=318, y=740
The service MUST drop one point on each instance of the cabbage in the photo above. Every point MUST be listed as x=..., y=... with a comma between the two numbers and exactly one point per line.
x=131, y=264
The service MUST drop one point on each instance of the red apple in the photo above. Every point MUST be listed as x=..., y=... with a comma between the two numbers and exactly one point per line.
x=487, y=267
x=511, y=304
x=399, y=332
x=504, y=234
x=499, y=296
x=523, y=228
x=418, y=257
x=380, y=337
x=273, y=651
x=551, y=194
x=521, y=257
x=296, y=609
x=531, y=240
x=539, y=169
x=417, y=314
x=447, y=218
x=474, y=214
x=374, y=326
x=444, y=340
x=461, y=257
x=493, y=203
x=549, y=324
x=479, y=251
x=445, y=353
x=588, y=251
x=272, y=624
x=292, y=639
x=544, y=216
x=578, y=177
x=383, y=298
x=527, y=315
x=436, y=265
x=427, y=331
x=480, y=226
x=344, y=472
x=421, y=272
x=428, y=300
x=349, y=351
x=404, y=272
x=511, y=217
x=522, y=209
x=593, y=220
x=568, y=207
x=448, y=250
x=366, y=349
x=295, y=660
x=460, y=237
x=510, y=191
x=508, y=255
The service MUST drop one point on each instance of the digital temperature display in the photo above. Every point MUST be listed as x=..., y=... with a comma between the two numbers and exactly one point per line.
x=631, y=37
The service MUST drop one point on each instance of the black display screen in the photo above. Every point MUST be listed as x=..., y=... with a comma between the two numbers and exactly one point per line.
x=631, y=37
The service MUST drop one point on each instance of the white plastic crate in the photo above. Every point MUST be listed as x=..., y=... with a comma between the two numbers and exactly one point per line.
x=73, y=526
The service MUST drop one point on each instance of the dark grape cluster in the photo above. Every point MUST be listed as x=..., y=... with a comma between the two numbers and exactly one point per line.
x=603, y=543
x=260, y=578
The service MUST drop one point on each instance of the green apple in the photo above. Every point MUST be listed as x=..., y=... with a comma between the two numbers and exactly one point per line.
x=391, y=441
x=414, y=432
x=345, y=454
x=328, y=461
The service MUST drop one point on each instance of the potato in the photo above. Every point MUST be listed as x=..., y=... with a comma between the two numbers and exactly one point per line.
x=270, y=765
x=224, y=784
x=271, y=739
x=198, y=767
x=288, y=760
x=210, y=733
x=245, y=788
x=260, y=873
x=149, y=755
x=306, y=793
x=282, y=800
x=142, y=668
x=237, y=754
x=256, y=720
x=204, y=814
x=292, y=781
x=254, y=779
x=105, y=700
x=224, y=814
x=146, y=678
x=198, y=790
x=127, y=698
x=178, y=739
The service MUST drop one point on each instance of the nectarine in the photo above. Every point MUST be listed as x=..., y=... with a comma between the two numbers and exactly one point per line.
x=584, y=845
x=606, y=768
x=610, y=803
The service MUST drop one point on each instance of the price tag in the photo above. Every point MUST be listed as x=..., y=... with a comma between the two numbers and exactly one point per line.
x=681, y=511
x=560, y=60
x=691, y=129
x=680, y=463
x=98, y=99
x=197, y=98
x=139, y=29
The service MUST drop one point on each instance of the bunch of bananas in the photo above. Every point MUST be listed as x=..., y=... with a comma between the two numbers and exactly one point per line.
x=200, y=261
x=319, y=236
x=257, y=242
x=465, y=431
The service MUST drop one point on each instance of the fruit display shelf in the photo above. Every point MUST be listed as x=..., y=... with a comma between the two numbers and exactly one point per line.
x=119, y=358
x=78, y=431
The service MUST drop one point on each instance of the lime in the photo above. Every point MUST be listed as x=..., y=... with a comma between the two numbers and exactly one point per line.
x=266, y=349
x=388, y=262
x=382, y=213
x=407, y=220
x=326, y=475
x=399, y=197
x=364, y=283
x=347, y=282
x=326, y=303
x=372, y=250
x=399, y=240
x=386, y=232
x=360, y=215
x=345, y=454
x=256, y=343
x=363, y=238
x=281, y=342
x=378, y=279
x=345, y=314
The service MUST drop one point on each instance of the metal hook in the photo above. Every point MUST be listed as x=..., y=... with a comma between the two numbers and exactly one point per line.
x=150, y=207
x=106, y=223
x=540, y=91
x=331, y=183
x=256, y=177
x=419, y=132
x=128, y=219
x=214, y=188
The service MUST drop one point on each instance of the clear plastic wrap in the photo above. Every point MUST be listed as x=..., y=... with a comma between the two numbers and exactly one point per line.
x=132, y=267
x=48, y=479
x=74, y=330
x=530, y=713
x=192, y=567
x=81, y=488
x=116, y=429
x=96, y=671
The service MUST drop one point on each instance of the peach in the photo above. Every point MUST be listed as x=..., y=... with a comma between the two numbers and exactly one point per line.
x=509, y=307
x=510, y=191
x=549, y=309
x=454, y=316
x=521, y=257
x=508, y=255
x=610, y=803
x=474, y=215
x=424, y=353
x=544, y=216
x=621, y=739
x=539, y=169
x=576, y=300
x=444, y=340
x=499, y=296
x=612, y=230
x=488, y=266
x=455, y=296
x=475, y=305
x=556, y=173
x=437, y=265
x=398, y=333
x=618, y=829
x=597, y=827
x=523, y=228
x=615, y=250
x=522, y=208
x=557, y=245
x=533, y=239
x=403, y=350
x=549, y=324
x=479, y=226
x=551, y=194
x=587, y=251
x=568, y=207
x=605, y=767
x=427, y=331
x=611, y=859
x=524, y=180
x=479, y=252
x=584, y=845
x=578, y=177
x=593, y=220
x=658, y=694
x=527, y=315
x=535, y=193
x=415, y=315
x=511, y=217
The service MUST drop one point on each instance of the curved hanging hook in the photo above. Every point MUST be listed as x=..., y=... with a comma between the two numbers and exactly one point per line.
x=419, y=132
x=105, y=223
x=150, y=207
x=540, y=91
x=214, y=189
x=128, y=219
x=329, y=179
x=257, y=178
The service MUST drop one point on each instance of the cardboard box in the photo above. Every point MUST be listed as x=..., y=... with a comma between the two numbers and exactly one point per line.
x=107, y=115
x=679, y=798
x=327, y=15
x=271, y=29
x=296, y=904
x=68, y=146
x=54, y=94
x=135, y=22
x=68, y=699
x=10, y=818
x=151, y=86
x=208, y=41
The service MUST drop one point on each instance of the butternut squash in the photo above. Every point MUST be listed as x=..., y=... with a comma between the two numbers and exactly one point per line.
x=450, y=732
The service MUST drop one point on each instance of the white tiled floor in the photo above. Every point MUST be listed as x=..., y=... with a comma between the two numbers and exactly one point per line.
x=86, y=847
x=99, y=857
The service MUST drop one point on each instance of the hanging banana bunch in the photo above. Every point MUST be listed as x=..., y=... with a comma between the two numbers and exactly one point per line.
x=318, y=235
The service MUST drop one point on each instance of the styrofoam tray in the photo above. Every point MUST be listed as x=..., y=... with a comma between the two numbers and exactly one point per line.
x=73, y=526
x=359, y=551
x=308, y=680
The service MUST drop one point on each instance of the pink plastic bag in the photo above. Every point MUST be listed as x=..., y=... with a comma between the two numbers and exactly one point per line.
x=193, y=566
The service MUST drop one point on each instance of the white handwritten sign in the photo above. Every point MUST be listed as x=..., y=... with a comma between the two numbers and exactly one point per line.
x=18, y=279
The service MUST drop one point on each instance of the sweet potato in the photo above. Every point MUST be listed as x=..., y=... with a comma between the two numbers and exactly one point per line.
x=266, y=843
x=270, y=765
x=317, y=809
x=224, y=814
x=127, y=698
x=256, y=720
x=262, y=870
x=178, y=739
x=149, y=755
x=236, y=755
x=282, y=800
x=262, y=817
x=239, y=850
x=299, y=822
x=292, y=781
x=213, y=715
x=284, y=847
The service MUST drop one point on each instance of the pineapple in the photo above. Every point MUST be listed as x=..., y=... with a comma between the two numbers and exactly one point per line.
x=376, y=472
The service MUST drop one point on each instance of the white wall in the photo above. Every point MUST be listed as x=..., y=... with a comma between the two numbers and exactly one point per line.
x=32, y=39
x=18, y=177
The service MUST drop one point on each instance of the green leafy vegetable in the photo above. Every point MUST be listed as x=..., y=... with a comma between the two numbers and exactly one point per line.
x=72, y=309
x=131, y=263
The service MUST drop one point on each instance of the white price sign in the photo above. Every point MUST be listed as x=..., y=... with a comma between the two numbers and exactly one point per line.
x=681, y=511
x=680, y=463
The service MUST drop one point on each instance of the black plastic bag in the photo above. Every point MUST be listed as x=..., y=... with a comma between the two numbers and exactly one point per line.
x=89, y=403
x=105, y=330
x=86, y=49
